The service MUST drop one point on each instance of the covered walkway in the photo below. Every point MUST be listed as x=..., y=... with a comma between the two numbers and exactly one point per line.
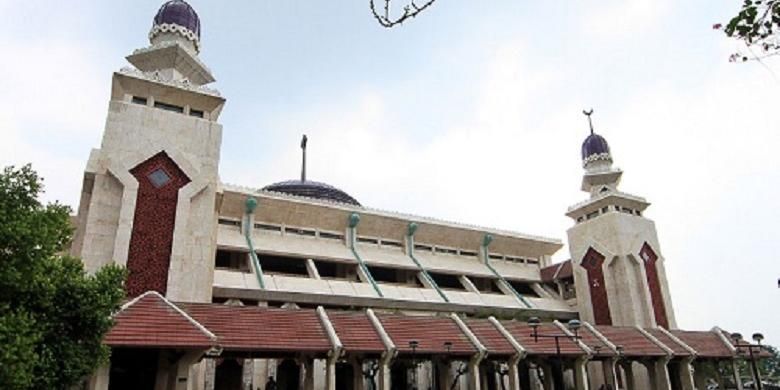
x=160, y=344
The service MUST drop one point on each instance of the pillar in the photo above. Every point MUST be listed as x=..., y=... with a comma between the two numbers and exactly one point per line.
x=699, y=379
x=609, y=369
x=686, y=374
x=718, y=376
x=444, y=373
x=659, y=374
x=330, y=373
x=736, y=374
x=357, y=379
x=474, y=377
x=581, y=373
x=308, y=370
x=99, y=380
x=179, y=372
x=514, y=373
x=756, y=373
x=630, y=378
x=384, y=373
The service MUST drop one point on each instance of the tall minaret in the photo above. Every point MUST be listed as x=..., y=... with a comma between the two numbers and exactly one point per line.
x=618, y=266
x=149, y=194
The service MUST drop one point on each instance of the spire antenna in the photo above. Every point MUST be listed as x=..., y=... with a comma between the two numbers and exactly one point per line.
x=304, y=140
x=590, y=122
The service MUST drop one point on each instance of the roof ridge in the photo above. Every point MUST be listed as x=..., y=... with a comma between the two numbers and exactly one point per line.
x=178, y=310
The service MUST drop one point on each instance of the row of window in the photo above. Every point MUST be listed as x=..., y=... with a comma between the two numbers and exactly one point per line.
x=166, y=106
x=377, y=241
x=607, y=209
x=296, y=267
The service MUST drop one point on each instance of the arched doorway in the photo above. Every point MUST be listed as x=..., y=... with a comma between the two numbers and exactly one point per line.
x=288, y=375
x=345, y=376
x=227, y=375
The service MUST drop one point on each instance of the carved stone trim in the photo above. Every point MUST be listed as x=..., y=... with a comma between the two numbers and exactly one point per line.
x=176, y=29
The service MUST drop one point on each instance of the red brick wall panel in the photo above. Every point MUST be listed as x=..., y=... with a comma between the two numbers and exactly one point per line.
x=650, y=259
x=151, y=240
x=593, y=263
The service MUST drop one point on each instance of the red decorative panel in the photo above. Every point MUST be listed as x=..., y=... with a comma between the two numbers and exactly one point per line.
x=593, y=262
x=651, y=270
x=159, y=181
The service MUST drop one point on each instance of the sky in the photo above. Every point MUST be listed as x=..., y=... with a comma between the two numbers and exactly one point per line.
x=472, y=112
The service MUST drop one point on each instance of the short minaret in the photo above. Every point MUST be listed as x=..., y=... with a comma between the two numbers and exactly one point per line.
x=149, y=194
x=618, y=267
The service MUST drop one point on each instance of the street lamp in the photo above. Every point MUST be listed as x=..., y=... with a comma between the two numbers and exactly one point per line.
x=757, y=337
x=573, y=325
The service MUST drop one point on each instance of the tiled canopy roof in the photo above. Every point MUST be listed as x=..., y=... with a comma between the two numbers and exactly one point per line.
x=251, y=328
x=543, y=345
x=430, y=332
x=633, y=341
x=152, y=321
x=557, y=271
x=356, y=332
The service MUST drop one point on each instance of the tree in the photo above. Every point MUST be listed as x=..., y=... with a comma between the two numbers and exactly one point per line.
x=52, y=314
x=409, y=11
x=756, y=25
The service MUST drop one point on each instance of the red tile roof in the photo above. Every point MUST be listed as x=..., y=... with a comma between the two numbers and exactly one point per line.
x=490, y=337
x=258, y=329
x=544, y=345
x=430, y=332
x=557, y=271
x=356, y=332
x=599, y=348
x=678, y=349
x=151, y=321
x=706, y=344
x=634, y=342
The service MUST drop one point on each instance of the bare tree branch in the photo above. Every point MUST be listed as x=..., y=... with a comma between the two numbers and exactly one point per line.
x=410, y=11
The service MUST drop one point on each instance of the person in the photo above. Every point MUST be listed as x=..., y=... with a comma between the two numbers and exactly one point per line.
x=271, y=384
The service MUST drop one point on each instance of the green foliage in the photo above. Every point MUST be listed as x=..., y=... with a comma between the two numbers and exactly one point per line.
x=52, y=314
x=756, y=24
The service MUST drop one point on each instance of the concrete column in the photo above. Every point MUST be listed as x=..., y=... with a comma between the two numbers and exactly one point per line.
x=444, y=374
x=659, y=374
x=735, y=373
x=628, y=369
x=581, y=374
x=308, y=369
x=179, y=372
x=99, y=379
x=357, y=379
x=474, y=378
x=384, y=374
x=699, y=379
x=514, y=373
x=686, y=374
x=330, y=373
x=610, y=372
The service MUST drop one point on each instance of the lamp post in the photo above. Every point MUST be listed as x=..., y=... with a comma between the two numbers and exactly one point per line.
x=574, y=326
x=757, y=337
x=413, y=344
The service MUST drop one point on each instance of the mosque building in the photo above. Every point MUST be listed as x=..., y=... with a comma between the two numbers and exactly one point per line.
x=301, y=285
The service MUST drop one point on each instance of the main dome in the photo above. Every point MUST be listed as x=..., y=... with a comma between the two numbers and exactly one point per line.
x=312, y=189
x=180, y=13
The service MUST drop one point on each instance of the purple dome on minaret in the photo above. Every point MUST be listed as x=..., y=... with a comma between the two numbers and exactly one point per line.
x=178, y=12
x=594, y=145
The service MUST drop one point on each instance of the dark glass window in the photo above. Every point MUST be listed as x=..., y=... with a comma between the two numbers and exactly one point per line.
x=169, y=107
x=139, y=100
x=159, y=178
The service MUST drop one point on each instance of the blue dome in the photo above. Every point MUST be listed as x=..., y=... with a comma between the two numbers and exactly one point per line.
x=180, y=13
x=594, y=145
x=312, y=189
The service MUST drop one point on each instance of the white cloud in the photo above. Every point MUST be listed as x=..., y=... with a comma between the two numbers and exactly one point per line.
x=622, y=19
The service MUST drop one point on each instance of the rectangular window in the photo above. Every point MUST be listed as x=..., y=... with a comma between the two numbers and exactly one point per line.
x=331, y=236
x=367, y=240
x=394, y=244
x=139, y=100
x=421, y=247
x=266, y=227
x=468, y=253
x=196, y=113
x=301, y=232
x=447, y=281
x=232, y=260
x=229, y=222
x=169, y=107
x=282, y=265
